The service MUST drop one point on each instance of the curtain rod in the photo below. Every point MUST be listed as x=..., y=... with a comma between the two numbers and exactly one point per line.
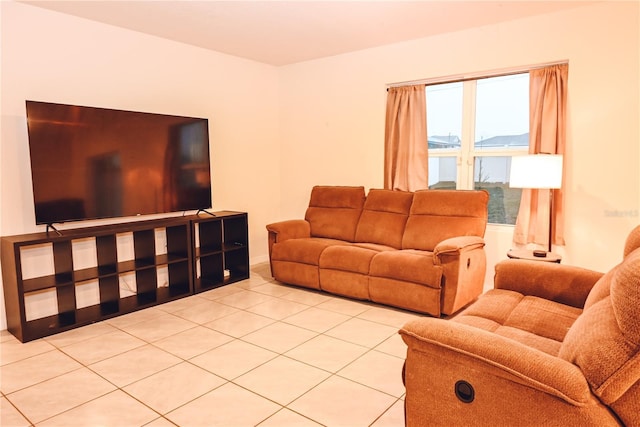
x=476, y=75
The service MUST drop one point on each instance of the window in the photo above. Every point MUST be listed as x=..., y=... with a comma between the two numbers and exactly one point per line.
x=474, y=128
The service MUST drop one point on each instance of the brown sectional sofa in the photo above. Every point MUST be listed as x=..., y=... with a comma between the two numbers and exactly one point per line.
x=421, y=251
x=551, y=345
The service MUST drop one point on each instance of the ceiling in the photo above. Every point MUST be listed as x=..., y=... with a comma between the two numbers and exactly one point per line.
x=287, y=32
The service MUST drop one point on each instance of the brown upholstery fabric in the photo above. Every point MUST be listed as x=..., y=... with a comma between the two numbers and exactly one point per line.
x=407, y=279
x=533, y=321
x=348, y=258
x=625, y=297
x=306, y=251
x=496, y=305
x=543, y=317
x=291, y=229
x=353, y=246
x=605, y=341
x=334, y=211
x=407, y=295
x=384, y=217
x=556, y=282
x=437, y=215
x=344, y=270
x=514, y=384
x=305, y=275
x=463, y=272
x=601, y=290
x=633, y=241
x=407, y=265
x=533, y=355
x=296, y=260
x=345, y=283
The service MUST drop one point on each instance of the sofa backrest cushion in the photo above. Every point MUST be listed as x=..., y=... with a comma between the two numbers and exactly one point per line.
x=633, y=241
x=437, y=215
x=334, y=211
x=384, y=217
x=601, y=289
x=605, y=340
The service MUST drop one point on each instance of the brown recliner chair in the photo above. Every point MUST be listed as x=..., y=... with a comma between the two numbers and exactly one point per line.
x=550, y=345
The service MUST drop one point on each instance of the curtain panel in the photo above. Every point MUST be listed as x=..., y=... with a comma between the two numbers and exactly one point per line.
x=547, y=134
x=405, y=152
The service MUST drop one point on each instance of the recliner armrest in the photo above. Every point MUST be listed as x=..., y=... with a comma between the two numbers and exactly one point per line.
x=458, y=244
x=291, y=229
x=565, y=284
x=285, y=230
x=499, y=357
x=464, y=265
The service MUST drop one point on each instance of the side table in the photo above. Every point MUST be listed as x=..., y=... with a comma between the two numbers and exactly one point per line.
x=528, y=255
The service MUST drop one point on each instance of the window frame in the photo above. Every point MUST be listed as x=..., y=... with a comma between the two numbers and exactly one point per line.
x=467, y=154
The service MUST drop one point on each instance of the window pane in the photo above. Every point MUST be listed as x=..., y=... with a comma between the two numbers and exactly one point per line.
x=444, y=115
x=442, y=173
x=492, y=174
x=502, y=112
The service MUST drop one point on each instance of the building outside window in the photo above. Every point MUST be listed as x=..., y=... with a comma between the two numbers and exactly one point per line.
x=474, y=128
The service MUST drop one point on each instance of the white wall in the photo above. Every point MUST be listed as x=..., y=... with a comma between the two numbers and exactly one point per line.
x=275, y=132
x=333, y=110
x=49, y=56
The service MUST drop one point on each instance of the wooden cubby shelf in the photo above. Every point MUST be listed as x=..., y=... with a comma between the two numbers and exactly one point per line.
x=137, y=265
x=221, y=249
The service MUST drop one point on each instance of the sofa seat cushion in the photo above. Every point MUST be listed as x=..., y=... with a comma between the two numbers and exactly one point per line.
x=374, y=247
x=344, y=270
x=536, y=322
x=306, y=251
x=347, y=258
x=407, y=265
x=407, y=279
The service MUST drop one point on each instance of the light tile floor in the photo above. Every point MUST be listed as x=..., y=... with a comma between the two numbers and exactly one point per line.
x=254, y=353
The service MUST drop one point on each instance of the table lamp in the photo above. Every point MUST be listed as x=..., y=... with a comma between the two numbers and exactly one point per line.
x=538, y=171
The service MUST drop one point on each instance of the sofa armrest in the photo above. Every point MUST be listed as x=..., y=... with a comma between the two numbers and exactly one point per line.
x=285, y=230
x=291, y=229
x=565, y=284
x=458, y=244
x=464, y=264
x=476, y=350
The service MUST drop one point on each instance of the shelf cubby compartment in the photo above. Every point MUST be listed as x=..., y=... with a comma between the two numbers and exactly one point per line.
x=109, y=295
x=179, y=280
x=221, y=249
x=211, y=272
x=104, y=271
x=236, y=263
x=128, y=267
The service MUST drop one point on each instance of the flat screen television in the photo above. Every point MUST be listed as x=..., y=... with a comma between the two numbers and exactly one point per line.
x=96, y=163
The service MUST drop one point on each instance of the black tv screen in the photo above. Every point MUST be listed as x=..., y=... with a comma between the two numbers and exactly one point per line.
x=92, y=163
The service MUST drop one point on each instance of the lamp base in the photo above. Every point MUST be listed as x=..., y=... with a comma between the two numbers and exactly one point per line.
x=527, y=254
x=539, y=253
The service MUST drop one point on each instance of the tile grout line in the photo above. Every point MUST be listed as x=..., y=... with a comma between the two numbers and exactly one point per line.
x=368, y=349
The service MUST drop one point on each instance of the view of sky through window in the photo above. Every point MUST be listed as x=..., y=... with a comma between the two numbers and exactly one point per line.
x=474, y=128
x=499, y=107
x=499, y=111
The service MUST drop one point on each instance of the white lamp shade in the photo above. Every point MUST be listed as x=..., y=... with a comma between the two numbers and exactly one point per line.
x=536, y=171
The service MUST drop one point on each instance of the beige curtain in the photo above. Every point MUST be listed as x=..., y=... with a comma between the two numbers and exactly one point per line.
x=547, y=134
x=405, y=152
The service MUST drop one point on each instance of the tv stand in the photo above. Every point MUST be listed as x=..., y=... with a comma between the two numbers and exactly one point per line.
x=171, y=258
x=51, y=226
x=205, y=211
